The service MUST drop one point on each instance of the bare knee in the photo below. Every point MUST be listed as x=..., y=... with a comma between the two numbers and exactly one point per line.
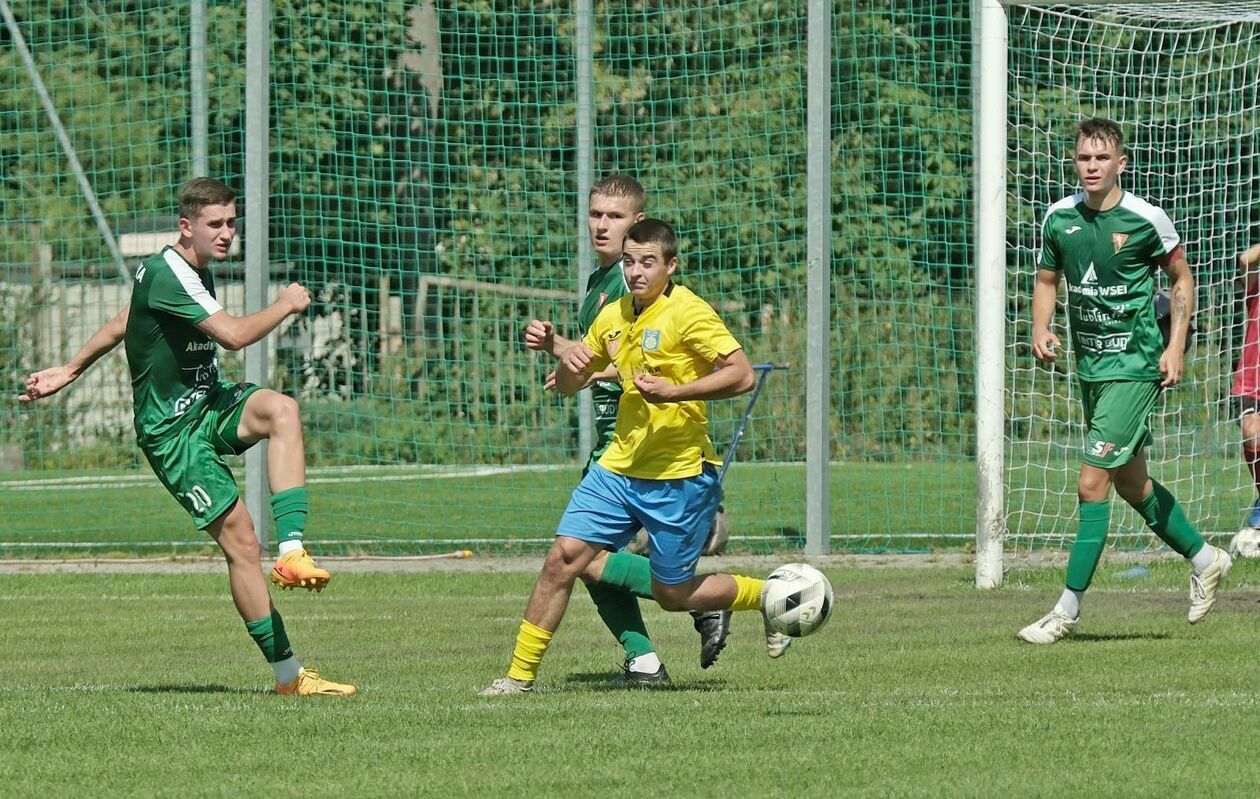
x=1093, y=485
x=234, y=533
x=672, y=597
x=565, y=562
x=594, y=571
x=286, y=416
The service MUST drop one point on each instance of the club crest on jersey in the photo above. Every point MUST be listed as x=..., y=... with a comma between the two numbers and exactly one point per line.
x=651, y=340
x=1118, y=240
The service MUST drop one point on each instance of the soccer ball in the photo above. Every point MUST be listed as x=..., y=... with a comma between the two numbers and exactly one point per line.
x=1246, y=544
x=797, y=599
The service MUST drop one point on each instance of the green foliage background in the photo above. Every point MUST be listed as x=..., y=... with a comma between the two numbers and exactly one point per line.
x=374, y=173
x=413, y=141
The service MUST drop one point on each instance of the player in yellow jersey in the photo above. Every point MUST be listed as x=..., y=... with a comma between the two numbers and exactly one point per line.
x=616, y=203
x=671, y=353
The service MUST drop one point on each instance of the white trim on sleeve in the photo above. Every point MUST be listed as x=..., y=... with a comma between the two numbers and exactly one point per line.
x=1156, y=217
x=187, y=277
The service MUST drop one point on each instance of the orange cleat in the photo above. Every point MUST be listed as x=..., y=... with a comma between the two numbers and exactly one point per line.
x=298, y=570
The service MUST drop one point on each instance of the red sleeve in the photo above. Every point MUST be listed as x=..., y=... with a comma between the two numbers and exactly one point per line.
x=1168, y=258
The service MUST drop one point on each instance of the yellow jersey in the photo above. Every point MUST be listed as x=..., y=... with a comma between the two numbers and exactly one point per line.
x=678, y=338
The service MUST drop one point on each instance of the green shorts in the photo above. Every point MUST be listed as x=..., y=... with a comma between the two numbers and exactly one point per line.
x=190, y=463
x=1116, y=413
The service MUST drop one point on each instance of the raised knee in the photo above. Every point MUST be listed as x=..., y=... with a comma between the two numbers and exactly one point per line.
x=286, y=412
x=669, y=599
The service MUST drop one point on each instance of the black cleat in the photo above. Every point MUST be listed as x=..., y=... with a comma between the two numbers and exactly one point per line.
x=645, y=679
x=713, y=626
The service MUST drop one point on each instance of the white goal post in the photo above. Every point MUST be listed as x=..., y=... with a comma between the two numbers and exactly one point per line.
x=1181, y=78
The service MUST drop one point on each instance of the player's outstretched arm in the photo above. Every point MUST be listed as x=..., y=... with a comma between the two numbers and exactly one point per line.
x=732, y=376
x=49, y=381
x=1172, y=361
x=236, y=332
x=1045, y=344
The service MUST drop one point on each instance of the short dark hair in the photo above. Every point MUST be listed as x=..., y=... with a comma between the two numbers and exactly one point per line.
x=200, y=192
x=654, y=231
x=617, y=185
x=1101, y=129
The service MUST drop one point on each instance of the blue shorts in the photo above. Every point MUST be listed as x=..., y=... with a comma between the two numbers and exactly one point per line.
x=608, y=509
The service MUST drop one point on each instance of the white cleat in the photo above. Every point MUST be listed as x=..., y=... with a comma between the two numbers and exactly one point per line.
x=1203, y=586
x=506, y=686
x=776, y=642
x=1051, y=627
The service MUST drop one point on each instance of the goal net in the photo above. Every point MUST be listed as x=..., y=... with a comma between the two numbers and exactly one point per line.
x=1181, y=80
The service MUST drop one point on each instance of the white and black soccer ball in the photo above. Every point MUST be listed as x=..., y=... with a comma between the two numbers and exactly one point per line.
x=1246, y=544
x=797, y=599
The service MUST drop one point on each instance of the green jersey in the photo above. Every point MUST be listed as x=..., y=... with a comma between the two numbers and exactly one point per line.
x=605, y=285
x=1109, y=259
x=173, y=364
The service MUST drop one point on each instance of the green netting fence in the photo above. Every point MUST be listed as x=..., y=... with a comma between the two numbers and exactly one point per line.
x=424, y=179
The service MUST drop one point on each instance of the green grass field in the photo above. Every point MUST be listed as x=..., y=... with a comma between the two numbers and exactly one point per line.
x=900, y=507
x=416, y=510
x=146, y=685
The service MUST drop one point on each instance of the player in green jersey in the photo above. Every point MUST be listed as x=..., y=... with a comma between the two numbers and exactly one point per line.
x=187, y=418
x=616, y=203
x=1109, y=244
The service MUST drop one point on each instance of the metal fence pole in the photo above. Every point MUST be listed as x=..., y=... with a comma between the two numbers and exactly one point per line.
x=198, y=101
x=257, y=257
x=989, y=78
x=818, y=298
x=584, y=49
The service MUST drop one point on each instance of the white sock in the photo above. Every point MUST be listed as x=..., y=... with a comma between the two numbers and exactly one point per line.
x=288, y=545
x=1069, y=603
x=1203, y=558
x=287, y=670
x=645, y=664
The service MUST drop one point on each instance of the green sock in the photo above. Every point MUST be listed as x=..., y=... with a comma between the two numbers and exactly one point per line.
x=268, y=633
x=1091, y=535
x=621, y=615
x=1163, y=514
x=630, y=572
x=289, y=509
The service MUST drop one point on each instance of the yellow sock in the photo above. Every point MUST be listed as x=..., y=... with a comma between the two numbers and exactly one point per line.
x=747, y=593
x=531, y=645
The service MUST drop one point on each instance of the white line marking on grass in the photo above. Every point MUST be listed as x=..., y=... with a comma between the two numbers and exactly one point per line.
x=337, y=474
x=87, y=598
